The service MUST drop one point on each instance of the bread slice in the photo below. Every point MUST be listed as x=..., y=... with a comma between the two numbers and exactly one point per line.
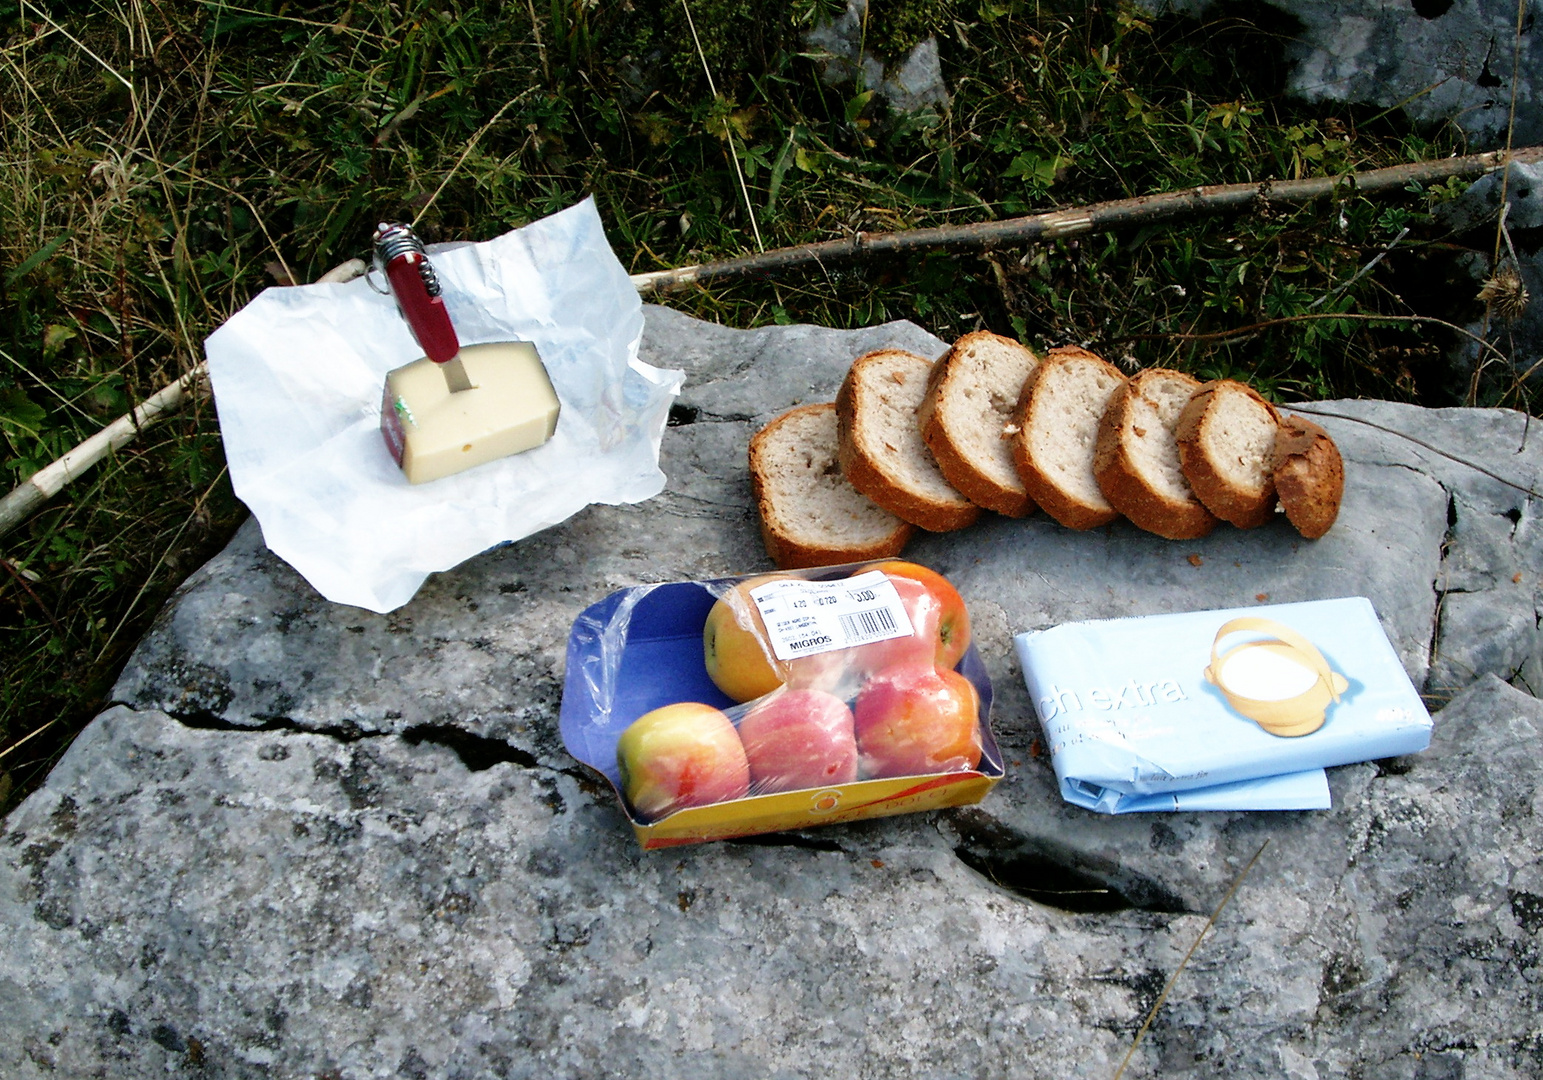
x=1136, y=457
x=810, y=515
x=1056, y=429
x=971, y=396
x=1309, y=475
x=881, y=446
x=1227, y=450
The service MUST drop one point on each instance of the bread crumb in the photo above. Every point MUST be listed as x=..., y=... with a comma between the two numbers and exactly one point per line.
x=898, y=376
x=1517, y=580
x=1261, y=596
x=878, y=864
x=1195, y=560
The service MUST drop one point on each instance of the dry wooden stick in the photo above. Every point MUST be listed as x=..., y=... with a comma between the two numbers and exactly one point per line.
x=1095, y=217
x=51, y=479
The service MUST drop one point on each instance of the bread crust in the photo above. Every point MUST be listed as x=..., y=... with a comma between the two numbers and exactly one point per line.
x=1309, y=475
x=1122, y=485
x=789, y=553
x=973, y=484
x=1060, y=504
x=1240, y=507
x=869, y=477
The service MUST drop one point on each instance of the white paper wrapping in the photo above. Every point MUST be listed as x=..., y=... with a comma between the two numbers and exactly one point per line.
x=297, y=378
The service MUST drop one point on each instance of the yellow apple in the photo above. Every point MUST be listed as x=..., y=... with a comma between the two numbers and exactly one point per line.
x=679, y=756
x=738, y=655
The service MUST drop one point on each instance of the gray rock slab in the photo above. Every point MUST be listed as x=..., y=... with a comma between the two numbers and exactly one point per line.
x=909, y=84
x=1436, y=60
x=252, y=904
x=311, y=840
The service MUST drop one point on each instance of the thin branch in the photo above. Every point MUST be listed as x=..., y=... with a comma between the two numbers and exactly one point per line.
x=1216, y=199
x=1361, y=273
x=1209, y=923
x=52, y=478
x=1313, y=411
x=1146, y=209
x=1252, y=328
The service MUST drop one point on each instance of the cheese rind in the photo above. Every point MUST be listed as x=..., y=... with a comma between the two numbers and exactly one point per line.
x=432, y=432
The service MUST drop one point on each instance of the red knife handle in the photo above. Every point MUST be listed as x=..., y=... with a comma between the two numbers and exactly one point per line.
x=426, y=315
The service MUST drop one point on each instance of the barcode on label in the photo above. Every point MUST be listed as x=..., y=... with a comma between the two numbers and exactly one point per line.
x=865, y=625
x=807, y=617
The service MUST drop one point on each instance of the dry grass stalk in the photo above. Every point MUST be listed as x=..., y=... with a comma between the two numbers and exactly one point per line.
x=1209, y=923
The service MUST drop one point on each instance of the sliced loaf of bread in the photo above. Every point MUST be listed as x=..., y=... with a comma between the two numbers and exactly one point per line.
x=1136, y=458
x=881, y=447
x=964, y=418
x=1227, y=449
x=1056, y=428
x=810, y=515
x=1309, y=475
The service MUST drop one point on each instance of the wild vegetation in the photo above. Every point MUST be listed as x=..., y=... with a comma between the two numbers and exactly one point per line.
x=161, y=161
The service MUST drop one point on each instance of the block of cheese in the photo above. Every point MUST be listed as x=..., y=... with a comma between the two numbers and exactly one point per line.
x=432, y=432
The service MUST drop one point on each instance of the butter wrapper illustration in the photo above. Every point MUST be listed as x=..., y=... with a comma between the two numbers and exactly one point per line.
x=1236, y=709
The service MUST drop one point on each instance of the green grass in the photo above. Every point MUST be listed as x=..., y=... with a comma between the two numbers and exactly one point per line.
x=160, y=164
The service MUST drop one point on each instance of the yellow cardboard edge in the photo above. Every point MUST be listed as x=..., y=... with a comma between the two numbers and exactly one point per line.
x=816, y=806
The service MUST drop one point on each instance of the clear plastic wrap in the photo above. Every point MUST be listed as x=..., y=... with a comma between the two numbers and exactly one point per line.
x=719, y=695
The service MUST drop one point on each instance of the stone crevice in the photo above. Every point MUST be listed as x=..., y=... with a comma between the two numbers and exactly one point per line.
x=476, y=752
x=684, y=415
x=1433, y=643
x=1052, y=875
x=792, y=840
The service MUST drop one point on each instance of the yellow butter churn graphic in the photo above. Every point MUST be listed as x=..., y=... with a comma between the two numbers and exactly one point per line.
x=1282, y=683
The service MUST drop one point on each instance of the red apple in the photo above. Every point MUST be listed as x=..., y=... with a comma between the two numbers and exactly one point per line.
x=910, y=721
x=681, y=756
x=735, y=648
x=799, y=739
x=941, y=612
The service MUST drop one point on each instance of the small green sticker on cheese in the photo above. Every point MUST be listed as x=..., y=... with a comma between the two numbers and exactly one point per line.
x=510, y=408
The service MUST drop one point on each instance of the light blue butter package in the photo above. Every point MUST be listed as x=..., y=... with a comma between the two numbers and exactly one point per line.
x=1239, y=709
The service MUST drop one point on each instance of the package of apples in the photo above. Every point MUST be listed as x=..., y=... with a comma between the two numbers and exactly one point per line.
x=727, y=708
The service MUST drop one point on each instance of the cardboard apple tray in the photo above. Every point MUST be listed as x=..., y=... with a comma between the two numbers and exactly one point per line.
x=641, y=648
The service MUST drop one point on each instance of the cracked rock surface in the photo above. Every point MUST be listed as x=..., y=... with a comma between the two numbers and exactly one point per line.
x=314, y=841
x=1436, y=60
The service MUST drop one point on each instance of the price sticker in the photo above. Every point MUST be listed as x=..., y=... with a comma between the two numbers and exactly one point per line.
x=807, y=617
